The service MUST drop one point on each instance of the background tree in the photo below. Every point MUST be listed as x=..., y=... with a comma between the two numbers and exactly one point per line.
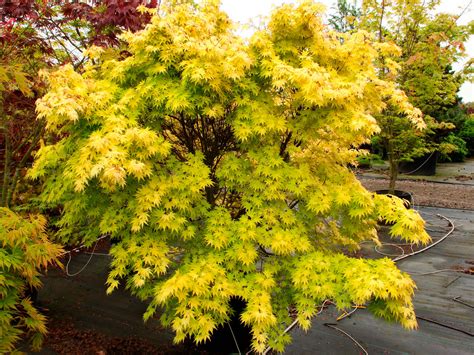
x=21, y=53
x=220, y=169
x=345, y=16
x=429, y=45
x=456, y=115
x=37, y=35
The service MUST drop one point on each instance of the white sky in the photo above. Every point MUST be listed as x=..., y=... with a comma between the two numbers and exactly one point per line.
x=245, y=10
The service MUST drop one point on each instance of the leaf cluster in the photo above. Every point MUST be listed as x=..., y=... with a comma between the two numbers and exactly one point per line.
x=25, y=250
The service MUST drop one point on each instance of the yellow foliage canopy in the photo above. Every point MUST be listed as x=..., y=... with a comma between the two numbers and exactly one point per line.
x=221, y=168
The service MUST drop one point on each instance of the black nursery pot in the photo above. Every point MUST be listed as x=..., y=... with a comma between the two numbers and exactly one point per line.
x=408, y=197
x=425, y=165
x=224, y=338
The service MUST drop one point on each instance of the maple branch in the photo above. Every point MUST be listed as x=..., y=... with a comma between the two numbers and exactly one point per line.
x=66, y=36
x=24, y=142
x=381, y=21
x=284, y=145
x=53, y=36
x=188, y=140
x=293, y=204
x=263, y=251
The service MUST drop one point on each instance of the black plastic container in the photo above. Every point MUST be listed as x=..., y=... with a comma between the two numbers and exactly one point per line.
x=425, y=165
x=224, y=338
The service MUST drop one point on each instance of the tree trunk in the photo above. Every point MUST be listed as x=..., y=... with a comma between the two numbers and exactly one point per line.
x=393, y=162
x=382, y=13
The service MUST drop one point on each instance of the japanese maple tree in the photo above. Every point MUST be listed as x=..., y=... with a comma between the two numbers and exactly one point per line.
x=220, y=169
x=25, y=251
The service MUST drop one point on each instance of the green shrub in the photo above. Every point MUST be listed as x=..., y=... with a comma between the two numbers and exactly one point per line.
x=467, y=134
x=369, y=160
x=456, y=149
x=456, y=115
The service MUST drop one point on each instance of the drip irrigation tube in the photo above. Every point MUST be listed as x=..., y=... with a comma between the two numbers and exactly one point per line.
x=432, y=244
x=235, y=339
x=422, y=164
x=458, y=299
x=445, y=325
x=333, y=326
x=85, y=265
x=82, y=246
x=69, y=252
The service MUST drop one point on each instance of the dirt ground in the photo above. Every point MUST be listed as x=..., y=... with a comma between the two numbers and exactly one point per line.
x=427, y=193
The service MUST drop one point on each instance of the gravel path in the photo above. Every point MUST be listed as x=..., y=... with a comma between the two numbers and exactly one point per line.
x=429, y=193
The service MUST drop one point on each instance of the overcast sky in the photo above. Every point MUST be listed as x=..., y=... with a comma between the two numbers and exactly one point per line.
x=245, y=10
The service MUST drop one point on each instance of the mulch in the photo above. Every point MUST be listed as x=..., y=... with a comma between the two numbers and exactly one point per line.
x=65, y=339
